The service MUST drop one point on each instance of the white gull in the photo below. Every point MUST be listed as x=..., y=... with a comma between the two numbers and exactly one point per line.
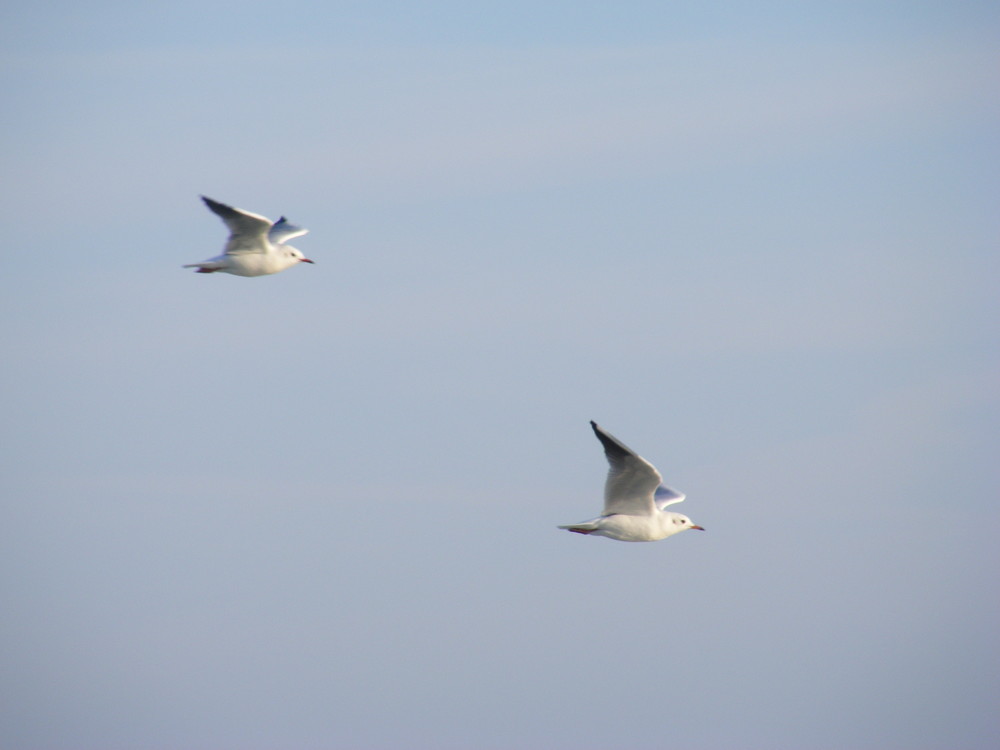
x=635, y=499
x=256, y=246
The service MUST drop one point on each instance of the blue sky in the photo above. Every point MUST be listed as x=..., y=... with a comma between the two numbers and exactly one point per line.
x=757, y=242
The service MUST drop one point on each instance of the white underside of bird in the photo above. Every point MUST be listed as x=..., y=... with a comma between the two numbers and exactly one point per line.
x=635, y=499
x=256, y=245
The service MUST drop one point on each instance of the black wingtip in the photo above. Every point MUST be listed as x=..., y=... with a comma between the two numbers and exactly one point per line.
x=601, y=434
x=218, y=208
x=612, y=447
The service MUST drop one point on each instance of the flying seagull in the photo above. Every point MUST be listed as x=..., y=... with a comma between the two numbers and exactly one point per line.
x=256, y=247
x=635, y=499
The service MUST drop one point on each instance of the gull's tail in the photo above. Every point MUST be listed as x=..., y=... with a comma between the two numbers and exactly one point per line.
x=203, y=267
x=585, y=527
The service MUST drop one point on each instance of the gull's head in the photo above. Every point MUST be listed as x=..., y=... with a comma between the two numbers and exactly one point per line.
x=297, y=254
x=683, y=523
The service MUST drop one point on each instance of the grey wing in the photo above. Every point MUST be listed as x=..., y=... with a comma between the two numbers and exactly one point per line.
x=283, y=230
x=247, y=231
x=665, y=496
x=632, y=480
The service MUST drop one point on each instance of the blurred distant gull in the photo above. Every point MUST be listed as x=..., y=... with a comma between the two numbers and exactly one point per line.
x=634, y=499
x=256, y=247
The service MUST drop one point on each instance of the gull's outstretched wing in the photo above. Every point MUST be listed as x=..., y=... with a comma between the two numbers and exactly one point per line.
x=665, y=496
x=282, y=231
x=247, y=231
x=632, y=480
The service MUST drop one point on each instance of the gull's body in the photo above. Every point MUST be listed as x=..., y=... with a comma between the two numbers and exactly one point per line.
x=256, y=246
x=635, y=499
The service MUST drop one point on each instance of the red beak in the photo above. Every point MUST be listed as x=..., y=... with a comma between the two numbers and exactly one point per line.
x=306, y=260
x=700, y=528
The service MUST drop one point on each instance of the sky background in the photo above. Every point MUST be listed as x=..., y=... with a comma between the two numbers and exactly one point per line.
x=758, y=242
